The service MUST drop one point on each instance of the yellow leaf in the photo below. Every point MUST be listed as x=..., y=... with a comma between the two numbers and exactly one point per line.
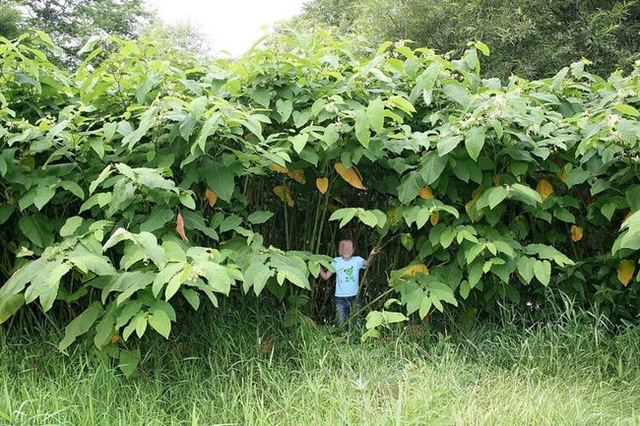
x=497, y=180
x=297, y=175
x=625, y=271
x=435, y=216
x=211, y=196
x=576, y=233
x=278, y=168
x=284, y=193
x=544, y=188
x=426, y=193
x=564, y=176
x=412, y=270
x=470, y=207
x=322, y=184
x=28, y=161
x=350, y=175
x=391, y=216
x=407, y=241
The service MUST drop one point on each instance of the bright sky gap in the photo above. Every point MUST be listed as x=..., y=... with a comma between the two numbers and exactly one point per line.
x=232, y=26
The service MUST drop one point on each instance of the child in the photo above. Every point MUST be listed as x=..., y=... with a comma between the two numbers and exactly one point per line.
x=347, y=268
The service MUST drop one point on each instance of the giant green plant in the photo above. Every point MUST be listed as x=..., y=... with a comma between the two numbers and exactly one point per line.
x=133, y=187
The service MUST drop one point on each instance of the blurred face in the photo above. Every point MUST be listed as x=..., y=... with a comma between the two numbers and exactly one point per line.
x=345, y=248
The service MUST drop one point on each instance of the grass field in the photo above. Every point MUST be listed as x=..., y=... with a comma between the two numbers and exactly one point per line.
x=215, y=371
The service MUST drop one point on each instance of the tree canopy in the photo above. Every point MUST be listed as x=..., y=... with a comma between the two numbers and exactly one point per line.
x=532, y=39
x=71, y=22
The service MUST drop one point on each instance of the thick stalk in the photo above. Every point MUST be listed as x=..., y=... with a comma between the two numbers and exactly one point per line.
x=316, y=223
x=286, y=228
x=323, y=218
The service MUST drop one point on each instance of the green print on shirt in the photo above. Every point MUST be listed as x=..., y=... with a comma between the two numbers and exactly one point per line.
x=348, y=275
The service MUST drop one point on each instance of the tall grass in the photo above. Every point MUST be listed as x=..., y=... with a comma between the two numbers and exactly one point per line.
x=220, y=368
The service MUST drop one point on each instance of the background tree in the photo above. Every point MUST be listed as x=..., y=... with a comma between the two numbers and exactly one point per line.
x=183, y=39
x=532, y=39
x=10, y=20
x=71, y=22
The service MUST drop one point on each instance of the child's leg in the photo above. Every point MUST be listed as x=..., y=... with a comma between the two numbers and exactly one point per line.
x=342, y=310
x=344, y=306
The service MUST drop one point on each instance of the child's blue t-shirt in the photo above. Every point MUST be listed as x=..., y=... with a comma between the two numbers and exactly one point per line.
x=347, y=275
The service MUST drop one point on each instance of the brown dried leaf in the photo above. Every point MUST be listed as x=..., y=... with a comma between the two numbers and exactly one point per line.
x=297, y=175
x=426, y=193
x=322, y=184
x=350, y=175
x=278, y=168
x=268, y=345
x=544, y=188
x=211, y=196
x=284, y=193
x=576, y=233
x=180, y=227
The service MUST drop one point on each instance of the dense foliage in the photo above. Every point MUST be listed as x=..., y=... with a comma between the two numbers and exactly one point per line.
x=532, y=39
x=133, y=187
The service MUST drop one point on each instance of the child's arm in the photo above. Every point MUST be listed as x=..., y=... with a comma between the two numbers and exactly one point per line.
x=325, y=274
x=373, y=252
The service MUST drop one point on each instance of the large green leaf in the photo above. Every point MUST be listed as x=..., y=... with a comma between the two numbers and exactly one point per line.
x=257, y=275
x=343, y=215
x=523, y=193
x=126, y=280
x=158, y=218
x=9, y=305
x=542, y=271
x=45, y=284
x=129, y=362
x=38, y=229
x=70, y=226
x=146, y=123
x=633, y=197
x=410, y=186
x=260, y=217
x=80, y=325
x=216, y=276
x=284, y=108
x=474, y=141
x=492, y=197
x=6, y=210
x=363, y=133
x=432, y=167
x=161, y=323
x=220, y=179
x=457, y=93
x=549, y=253
x=375, y=115
x=426, y=81
x=448, y=144
x=85, y=260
